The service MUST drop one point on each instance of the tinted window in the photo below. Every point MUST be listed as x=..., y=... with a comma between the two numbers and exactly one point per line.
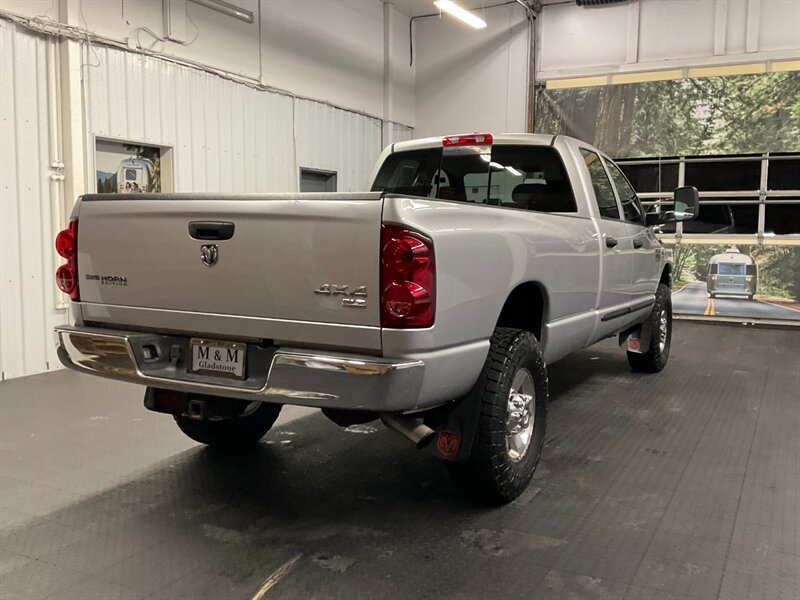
x=783, y=175
x=412, y=173
x=522, y=177
x=603, y=192
x=627, y=196
x=782, y=219
x=527, y=178
x=651, y=178
x=719, y=176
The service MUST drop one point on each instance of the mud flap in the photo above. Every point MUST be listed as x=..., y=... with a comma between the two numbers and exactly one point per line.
x=636, y=339
x=455, y=425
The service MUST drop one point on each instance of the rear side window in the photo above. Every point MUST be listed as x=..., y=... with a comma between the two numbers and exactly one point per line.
x=411, y=173
x=511, y=176
x=603, y=192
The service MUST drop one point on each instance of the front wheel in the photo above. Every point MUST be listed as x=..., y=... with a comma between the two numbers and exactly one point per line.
x=232, y=432
x=512, y=390
x=654, y=359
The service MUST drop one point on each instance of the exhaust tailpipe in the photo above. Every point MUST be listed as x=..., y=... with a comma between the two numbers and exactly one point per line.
x=412, y=429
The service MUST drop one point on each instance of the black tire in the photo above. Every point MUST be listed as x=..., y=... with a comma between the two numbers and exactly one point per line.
x=493, y=474
x=655, y=358
x=233, y=432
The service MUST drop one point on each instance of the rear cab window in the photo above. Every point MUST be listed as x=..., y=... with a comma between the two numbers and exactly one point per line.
x=523, y=177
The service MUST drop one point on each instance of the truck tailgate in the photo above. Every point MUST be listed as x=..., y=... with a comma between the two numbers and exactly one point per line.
x=289, y=257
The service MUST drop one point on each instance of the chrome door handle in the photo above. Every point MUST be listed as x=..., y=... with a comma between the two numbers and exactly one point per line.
x=611, y=242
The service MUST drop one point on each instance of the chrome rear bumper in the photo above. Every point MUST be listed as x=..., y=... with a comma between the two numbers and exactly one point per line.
x=281, y=375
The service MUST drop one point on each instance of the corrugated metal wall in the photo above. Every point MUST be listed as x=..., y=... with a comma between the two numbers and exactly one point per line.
x=28, y=310
x=226, y=136
x=401, y=133
x=337, y=140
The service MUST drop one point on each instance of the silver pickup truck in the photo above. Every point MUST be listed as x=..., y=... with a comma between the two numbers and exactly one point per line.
x=433, y=302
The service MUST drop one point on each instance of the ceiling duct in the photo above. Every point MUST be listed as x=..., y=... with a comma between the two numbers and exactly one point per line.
x=598, y=3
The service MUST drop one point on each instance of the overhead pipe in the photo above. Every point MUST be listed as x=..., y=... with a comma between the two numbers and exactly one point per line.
x=56, y=178
x=530, y=13
x=226, y=8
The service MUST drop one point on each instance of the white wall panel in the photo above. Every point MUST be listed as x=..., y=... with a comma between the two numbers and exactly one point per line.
x=400, y=133
x=471, y=80
x=676, y=29
x=576, y=37
x=226, y=136
x=575, y=41
x=331, y=50
x=27, y=287
x=336, y=140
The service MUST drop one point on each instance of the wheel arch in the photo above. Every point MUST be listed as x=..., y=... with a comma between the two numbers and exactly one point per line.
x=666, y=275
x=525, y=308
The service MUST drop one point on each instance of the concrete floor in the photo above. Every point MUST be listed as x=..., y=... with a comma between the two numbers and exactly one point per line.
x=679, y=485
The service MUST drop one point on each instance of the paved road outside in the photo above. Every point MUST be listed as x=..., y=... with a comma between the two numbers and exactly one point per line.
x=693, y=299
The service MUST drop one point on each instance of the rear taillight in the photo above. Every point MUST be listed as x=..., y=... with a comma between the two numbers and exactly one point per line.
x=408, y=278
x=67, y=274
x=472, y=139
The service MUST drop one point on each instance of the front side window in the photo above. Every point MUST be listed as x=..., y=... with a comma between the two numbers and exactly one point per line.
x=627, y=196
x=512, y=176
x=603, y=192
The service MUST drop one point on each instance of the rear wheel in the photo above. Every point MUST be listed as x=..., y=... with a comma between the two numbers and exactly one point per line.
x=232, y=432
x=513, y=402
x=660, y=320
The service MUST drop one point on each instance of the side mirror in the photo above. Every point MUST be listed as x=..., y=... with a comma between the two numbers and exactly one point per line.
x=687, y=207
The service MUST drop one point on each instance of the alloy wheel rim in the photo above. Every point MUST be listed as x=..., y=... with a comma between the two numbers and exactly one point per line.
x=520, y=415
x=662, y=330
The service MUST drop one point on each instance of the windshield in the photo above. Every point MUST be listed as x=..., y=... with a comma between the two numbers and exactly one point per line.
x=731, y=269
x=512, y=176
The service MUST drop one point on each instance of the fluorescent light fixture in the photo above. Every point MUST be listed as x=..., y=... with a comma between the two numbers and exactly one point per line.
x=453, y=9
x=226, y=8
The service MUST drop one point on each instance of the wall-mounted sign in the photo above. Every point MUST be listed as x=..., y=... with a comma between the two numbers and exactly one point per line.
x=130, y=168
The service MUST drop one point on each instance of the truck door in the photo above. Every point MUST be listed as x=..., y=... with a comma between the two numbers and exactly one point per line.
x=616, y=248
x=646, y=260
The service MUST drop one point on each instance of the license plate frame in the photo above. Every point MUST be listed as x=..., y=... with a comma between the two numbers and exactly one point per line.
x=218, y=353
